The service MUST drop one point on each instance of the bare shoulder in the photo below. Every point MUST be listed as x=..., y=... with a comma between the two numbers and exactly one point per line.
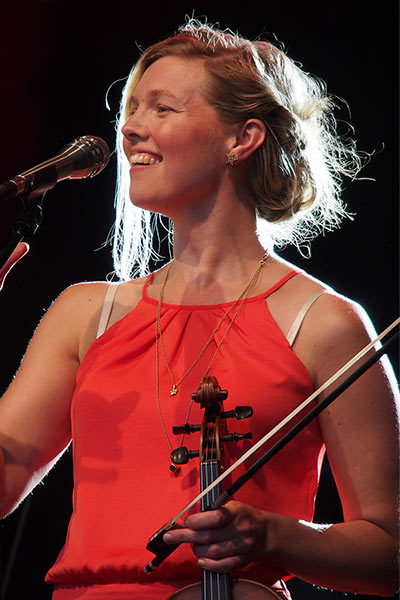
x=335, y=318
x=79, y=303
x=335, y=330
x=81, y=306
x=73, y=314
x=88, y=293
x=334, y=313
x=339, y=316
x=334, y=327
x=325, y=306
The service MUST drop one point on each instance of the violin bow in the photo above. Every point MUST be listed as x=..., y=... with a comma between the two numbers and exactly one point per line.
x=220, y=500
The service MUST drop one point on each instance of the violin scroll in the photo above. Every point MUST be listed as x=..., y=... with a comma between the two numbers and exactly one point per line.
x=210, y=396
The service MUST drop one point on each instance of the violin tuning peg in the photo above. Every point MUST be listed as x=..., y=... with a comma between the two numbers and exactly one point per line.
x=243, y=412
x=240, y=412
x=180, y=456
x=222, y=395
x=245, y=436
x=186, y=428
x=235, y=437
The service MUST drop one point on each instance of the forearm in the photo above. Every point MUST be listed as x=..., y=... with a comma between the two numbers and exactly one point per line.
x=13, y=484
x=356, y=556
x=18, y=480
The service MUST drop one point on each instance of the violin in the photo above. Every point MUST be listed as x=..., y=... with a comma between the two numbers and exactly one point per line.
x=213, y=433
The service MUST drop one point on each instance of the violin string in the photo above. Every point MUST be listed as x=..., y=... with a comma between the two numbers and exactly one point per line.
x=212, y=581
x=287, y=419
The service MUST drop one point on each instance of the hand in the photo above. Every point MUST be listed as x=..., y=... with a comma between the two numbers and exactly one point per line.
x=16, y=255
x=224, y=539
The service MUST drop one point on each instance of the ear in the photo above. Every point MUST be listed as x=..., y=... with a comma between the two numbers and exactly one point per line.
x=249, y=138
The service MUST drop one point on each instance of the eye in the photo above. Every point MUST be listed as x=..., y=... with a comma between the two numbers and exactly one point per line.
x=162, y=109
x=130, y=112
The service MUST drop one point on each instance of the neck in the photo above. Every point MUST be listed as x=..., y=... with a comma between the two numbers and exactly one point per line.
x=223, y=246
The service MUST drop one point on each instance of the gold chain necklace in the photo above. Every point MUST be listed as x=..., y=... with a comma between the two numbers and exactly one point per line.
x=174, y=389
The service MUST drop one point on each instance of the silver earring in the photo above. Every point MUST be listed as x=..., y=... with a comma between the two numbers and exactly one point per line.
x=231, y=159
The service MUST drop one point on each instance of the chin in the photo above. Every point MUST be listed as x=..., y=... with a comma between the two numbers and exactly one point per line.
x=150, y=203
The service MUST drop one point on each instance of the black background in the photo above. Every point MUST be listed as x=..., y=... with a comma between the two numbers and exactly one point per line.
x=58, y=60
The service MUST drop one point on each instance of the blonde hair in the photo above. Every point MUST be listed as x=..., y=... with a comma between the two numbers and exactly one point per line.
x=295, y=180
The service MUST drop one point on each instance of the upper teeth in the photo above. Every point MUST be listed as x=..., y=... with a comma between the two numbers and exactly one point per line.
x=143, y=159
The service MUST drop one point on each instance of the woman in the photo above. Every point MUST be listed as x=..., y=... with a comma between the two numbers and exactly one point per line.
x=233, y=143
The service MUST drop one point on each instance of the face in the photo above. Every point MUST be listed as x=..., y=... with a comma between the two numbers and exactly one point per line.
x=173, y=138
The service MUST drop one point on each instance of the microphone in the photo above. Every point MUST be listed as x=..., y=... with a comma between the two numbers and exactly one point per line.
x=84, y=157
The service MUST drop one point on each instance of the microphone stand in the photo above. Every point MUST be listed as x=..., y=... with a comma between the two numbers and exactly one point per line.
x=26, y=224
x=23, y=229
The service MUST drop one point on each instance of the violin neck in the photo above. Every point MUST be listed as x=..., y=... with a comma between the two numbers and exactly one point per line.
x=214, y=585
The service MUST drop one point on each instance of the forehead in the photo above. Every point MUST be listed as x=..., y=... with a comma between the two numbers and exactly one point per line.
x=180, y=77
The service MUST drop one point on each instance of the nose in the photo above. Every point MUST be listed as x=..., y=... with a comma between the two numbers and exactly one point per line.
x=135, y=127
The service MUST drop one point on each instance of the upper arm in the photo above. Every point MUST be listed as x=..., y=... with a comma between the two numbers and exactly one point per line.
x=360, y=428
x=35, y=410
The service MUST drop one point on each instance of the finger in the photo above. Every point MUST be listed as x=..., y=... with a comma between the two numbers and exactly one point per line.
x=177, y=536
x=209, y=519
x=20, y=251
x=222, y=549
x=223, y=565
x=202, y=537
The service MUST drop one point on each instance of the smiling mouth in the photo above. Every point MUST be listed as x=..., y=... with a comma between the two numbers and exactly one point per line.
x=143, y=159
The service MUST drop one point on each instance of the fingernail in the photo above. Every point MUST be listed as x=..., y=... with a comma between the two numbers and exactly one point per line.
x=167, y=537
x=201, y=562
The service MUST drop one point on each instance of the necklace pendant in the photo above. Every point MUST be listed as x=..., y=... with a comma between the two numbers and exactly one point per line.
x=174, y=469
x=173, y=391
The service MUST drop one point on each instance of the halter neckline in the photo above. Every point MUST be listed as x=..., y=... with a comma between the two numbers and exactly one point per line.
x=264, y=294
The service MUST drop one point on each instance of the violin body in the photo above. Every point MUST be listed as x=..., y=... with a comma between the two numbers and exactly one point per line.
x=242, y=589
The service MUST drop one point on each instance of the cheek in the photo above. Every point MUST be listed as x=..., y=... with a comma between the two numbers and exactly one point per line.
x=203, y=146
x=213, y=144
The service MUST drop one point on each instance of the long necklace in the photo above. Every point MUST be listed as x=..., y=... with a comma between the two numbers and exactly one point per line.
x=174, y=389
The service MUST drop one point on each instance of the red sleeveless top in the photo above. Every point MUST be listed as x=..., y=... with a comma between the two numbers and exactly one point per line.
x=123, y=488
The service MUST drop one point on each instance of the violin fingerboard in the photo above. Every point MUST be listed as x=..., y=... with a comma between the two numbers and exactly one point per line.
x=209, y=471
x=214, y=585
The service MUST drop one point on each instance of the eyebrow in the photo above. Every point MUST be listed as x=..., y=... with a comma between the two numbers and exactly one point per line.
x=156, y=93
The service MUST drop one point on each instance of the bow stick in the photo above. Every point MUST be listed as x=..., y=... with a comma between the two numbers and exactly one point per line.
x=218, y=502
